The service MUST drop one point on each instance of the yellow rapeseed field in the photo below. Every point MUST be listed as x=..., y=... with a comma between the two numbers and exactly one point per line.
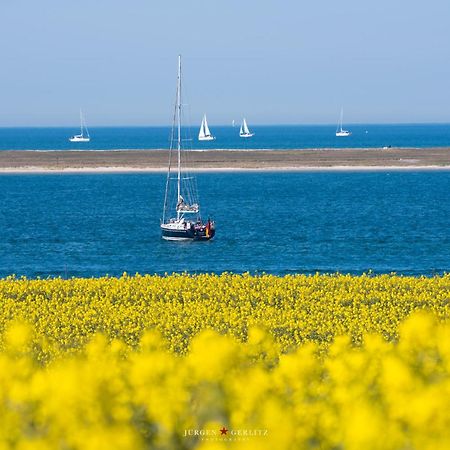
x=225, y=361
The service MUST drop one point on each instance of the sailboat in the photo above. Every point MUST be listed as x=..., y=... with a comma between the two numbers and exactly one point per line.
x=204, y=134
x=339, y=131
x=244, y=131
x=81, y=137
x=181, y=219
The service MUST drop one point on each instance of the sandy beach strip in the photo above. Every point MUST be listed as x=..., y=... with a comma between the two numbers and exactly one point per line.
x=24, y=161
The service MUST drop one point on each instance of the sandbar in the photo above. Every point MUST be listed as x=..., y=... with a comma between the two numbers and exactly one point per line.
x=31, y=161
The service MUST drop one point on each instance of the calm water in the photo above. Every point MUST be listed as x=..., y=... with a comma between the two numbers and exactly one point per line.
x=90, y=225
x=266, y=137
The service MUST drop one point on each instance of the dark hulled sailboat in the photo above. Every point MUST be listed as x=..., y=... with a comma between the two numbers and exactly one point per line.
x=181, y=219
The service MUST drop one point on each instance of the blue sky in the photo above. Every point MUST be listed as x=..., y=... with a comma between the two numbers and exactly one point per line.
x=274, y=62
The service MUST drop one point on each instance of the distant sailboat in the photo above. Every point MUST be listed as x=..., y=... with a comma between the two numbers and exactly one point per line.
x=339, y=131
x=204, y=134
x=244, y=131
x=82, y=137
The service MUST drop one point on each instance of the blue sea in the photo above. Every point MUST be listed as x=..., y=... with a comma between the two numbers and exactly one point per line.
x=227, y=137
x=95, y=224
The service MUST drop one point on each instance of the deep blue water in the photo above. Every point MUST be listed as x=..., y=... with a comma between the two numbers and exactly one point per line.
x=96, y=224
x=266, y=137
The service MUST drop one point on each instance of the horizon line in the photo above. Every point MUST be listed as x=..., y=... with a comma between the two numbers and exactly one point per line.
x=231, y=126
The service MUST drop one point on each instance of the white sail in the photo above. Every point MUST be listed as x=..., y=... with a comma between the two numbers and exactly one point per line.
x=83, y=125
x=244, y=131
x=201, y=133
x=207, y=132
x=245, y=127
x=204, y=133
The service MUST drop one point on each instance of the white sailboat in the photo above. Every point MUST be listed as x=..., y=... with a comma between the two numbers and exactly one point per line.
x=82, y=137
x=340, y=132
x=244, y=132
x=181, y=219
x=205, y=134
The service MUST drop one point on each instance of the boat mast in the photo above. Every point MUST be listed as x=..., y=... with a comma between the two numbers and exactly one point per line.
x=179, y=131
x=81, y=123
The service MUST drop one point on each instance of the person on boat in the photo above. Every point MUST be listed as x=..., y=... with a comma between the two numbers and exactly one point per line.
x=180, y=203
